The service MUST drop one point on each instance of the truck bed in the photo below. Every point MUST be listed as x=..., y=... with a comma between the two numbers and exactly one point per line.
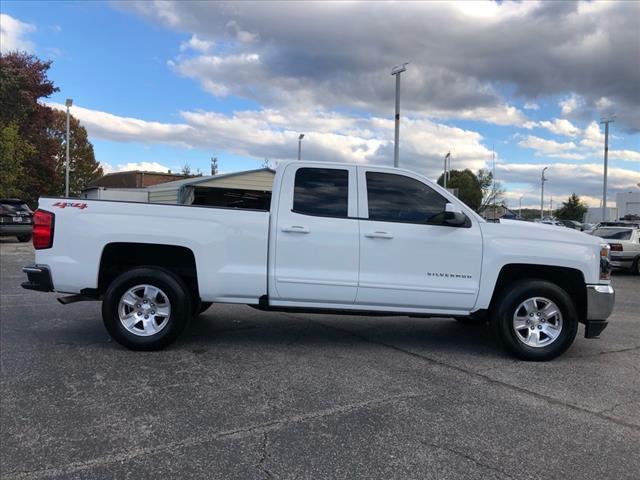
x=229, y=245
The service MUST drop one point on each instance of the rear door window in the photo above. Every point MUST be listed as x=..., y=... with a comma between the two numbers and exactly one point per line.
x=322, y=192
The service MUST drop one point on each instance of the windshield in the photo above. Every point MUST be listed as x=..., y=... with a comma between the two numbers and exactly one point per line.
x=613, y=233
x=11, y=208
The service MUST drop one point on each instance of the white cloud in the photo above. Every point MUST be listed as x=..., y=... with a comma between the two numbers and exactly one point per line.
x=241, y=35
x=197, y=44
x=604, y=103
x=560, y=126
x=125, y=129
x=584, y=179
x=314, y=54
x=273, y=133
x=546, y=147
x=570, y=104
x=124, y=167
x=13, y=34
x=593, y=137
x=625, y=155
x=531, y=106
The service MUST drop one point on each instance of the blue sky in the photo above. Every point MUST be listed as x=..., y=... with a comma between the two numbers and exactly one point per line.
x=159, y=85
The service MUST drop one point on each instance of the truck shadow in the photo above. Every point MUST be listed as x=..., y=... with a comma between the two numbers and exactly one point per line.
x=277, y=330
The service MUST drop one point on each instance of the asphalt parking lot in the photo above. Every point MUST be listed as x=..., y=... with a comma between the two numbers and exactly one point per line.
x=246, y=394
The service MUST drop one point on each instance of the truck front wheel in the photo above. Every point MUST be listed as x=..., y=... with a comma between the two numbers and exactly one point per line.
x=146, y=308
x=535, y=320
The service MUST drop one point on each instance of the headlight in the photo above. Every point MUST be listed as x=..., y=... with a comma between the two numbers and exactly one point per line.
x=605, y=262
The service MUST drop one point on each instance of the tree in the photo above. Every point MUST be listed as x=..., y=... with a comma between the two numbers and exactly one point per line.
x=14, y=151
x=186, y=169
x=492, y=192
x=468, y=186
x=83, y=165
x=572, y=209
x=214, y=166
x=23, y=82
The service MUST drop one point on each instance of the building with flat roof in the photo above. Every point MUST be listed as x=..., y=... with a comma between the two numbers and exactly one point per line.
x=136, y=179
x=628, y=203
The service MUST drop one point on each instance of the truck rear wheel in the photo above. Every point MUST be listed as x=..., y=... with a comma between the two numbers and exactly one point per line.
x=146, y=308
x=535, y=320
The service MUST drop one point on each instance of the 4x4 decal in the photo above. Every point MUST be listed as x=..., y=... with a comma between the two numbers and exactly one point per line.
x=81, y=206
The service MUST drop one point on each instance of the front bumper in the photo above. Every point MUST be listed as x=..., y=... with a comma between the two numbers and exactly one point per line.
x=39, y=278
x=600, y=301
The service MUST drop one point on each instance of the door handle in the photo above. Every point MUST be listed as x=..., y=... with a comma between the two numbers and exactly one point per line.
x=378, y=235
x=295, y=229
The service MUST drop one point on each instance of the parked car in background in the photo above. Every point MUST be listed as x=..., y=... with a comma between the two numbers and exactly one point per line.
x=624, y=240
x=551, y=221
x=572, y=224
x=15, y=219
x=589, y=227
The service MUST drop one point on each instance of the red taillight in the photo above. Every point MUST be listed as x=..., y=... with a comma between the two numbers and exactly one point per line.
x=616, y=247
x=43, y=229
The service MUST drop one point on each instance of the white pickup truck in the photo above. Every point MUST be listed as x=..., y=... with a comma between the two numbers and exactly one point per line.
x=337, y=238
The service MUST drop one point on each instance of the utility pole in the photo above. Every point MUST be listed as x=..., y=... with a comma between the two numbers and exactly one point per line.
x=68, y=104
x=606, y=164
x=493, y=149
x=300, y=137
x=542, y=180
x=551, y=207
x=397, y=70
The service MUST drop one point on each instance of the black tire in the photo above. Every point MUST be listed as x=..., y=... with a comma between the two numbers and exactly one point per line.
x=507, y=305
x=24, y=238
x=177, y=295
x=635, y=269
x=199, y=307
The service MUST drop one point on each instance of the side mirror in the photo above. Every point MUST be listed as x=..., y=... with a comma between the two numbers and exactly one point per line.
x=453, y=215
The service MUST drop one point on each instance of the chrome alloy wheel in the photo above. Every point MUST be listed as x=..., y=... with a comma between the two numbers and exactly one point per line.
x=144, y=310
x=537, y=322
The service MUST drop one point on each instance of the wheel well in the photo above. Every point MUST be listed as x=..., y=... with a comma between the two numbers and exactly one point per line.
x=569, y=279
x=120, y=257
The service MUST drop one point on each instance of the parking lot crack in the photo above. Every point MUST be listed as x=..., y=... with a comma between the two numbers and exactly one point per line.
x=255, y=429
x=263, y=456
x=469, y=458
x=608, y=352
x=481, y=376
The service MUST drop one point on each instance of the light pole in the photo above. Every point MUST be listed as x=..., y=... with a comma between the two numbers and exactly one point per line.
x=300, y=137
x=446, y=157
x=542, y=180
x=68, y=103
x=606, y=162
x=520, y=207
x=396, y=145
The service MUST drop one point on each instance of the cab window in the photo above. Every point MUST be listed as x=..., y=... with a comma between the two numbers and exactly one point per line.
x=396, y=198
